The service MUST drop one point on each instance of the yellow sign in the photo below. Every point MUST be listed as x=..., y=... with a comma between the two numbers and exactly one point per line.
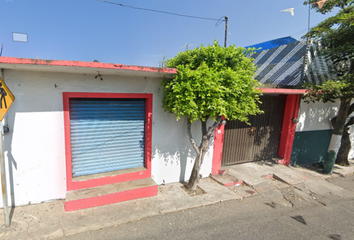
x=6, y=99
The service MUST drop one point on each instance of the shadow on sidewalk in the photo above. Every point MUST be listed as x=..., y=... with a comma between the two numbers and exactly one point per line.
x=337, y=169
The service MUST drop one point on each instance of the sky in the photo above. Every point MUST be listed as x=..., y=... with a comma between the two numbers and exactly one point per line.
x=88, y=30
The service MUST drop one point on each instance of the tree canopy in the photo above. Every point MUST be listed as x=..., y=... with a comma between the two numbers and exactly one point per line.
x=212, y=81
x=336, y=35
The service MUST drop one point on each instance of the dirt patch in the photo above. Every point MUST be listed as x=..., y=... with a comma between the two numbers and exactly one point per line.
x=192, y=193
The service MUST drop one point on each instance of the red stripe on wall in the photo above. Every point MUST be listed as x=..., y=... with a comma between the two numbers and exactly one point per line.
x=66, y=63
x=111, y=198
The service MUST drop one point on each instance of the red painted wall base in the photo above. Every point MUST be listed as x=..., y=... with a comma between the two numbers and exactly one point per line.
x=111, y=198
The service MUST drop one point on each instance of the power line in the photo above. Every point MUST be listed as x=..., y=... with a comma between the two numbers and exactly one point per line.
x=308, y=45
x=220, y=20
x=260, y=16
x=159, y=11
x=309, y=20
x=299, y=32
x=265, y=15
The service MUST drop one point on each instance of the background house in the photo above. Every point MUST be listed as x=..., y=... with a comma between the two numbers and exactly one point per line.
x=269, y=135
x=283, y=65
x=290, y=65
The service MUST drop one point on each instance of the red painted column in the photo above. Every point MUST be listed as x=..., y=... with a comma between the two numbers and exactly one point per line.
x=218, y=145
x=288, y=129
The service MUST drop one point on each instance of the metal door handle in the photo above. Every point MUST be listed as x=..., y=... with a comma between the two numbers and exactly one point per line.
x=251, y=131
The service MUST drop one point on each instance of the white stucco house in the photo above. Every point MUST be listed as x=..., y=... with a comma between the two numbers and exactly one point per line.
x=54, y=143
x=96, y=133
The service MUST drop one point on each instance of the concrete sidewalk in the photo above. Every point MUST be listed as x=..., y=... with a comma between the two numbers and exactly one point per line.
x=48, y=220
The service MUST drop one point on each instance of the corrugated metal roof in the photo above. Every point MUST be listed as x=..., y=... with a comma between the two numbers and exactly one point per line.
x=281, y=65
x=317, y=67
x=284, y=65
x=273, y=43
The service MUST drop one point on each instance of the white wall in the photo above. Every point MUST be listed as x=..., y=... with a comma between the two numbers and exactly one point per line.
x=35, y=146
x=351, y=153
x=316, y=116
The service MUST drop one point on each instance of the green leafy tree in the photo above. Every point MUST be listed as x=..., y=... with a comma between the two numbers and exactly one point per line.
x=210, y=82
x=336, y=35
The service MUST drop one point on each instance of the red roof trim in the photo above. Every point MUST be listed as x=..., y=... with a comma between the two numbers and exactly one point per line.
x=282, y=90
x=66, y=63
x=28, y=61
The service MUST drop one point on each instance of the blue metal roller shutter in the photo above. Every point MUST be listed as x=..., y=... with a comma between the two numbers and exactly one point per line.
x=106, y=135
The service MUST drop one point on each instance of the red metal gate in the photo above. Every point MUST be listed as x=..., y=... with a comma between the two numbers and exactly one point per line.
x=258, y=141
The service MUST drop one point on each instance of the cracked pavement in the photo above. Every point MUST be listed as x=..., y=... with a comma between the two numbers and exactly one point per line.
x=284, y=212
x=271, y=198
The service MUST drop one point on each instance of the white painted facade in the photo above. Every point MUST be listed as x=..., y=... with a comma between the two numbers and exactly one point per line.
x=316, y=116
x=35, y=145
x=351, y=153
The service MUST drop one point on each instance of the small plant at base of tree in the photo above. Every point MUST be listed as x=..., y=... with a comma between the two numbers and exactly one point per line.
x=210, y=82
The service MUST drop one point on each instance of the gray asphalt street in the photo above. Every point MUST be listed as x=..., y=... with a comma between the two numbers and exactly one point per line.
x=290, y=213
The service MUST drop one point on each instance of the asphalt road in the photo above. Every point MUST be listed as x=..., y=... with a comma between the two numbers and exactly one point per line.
x=288, y=215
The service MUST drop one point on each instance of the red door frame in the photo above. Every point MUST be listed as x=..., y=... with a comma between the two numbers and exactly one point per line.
x=75, y=185
x=291, y=112
x=292, y=105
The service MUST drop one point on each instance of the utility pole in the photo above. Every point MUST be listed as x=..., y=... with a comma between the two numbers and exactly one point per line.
x=2, y=166
x=226, y=19
x=3, y=181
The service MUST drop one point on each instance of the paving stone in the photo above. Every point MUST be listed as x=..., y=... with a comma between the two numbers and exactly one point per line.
x=243, y=190
x=50, y=220
x=226, y=179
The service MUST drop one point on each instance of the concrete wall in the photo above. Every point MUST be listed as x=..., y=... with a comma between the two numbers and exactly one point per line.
x=35, y=147
x=313, y=132
x=316, y=116
x=351, y=153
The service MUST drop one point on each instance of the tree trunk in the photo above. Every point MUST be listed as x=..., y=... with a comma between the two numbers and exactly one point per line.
x=336, y=135
x=345, y=145
x=194, y=178
x=201, y=150
x=338, y=130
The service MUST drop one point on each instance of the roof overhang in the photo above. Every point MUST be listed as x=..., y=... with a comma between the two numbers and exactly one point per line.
x=282, y=91
x=80, y=67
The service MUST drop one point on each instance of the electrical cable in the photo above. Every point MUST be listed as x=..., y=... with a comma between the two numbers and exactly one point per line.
x=260, y=16
x=220, y=20
x=299, y=32
x=307, y=51
x=265, y=15
x=309, y=21
x=159, y=11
